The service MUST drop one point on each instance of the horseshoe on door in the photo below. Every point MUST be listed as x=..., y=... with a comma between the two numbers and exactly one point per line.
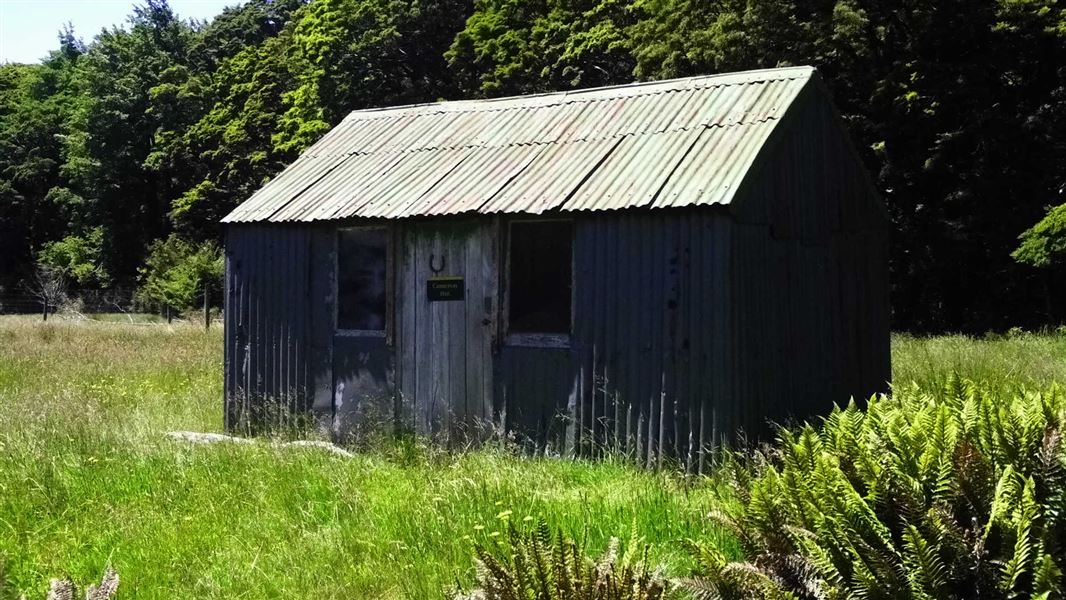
x=432, y=263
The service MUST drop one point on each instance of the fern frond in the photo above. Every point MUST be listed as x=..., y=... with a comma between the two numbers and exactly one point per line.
x=926, y=570
x=1024, y=515
x=1047, y=577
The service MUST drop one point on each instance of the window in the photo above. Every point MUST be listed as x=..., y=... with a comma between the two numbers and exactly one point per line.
x=541, y=276
x=361, y=268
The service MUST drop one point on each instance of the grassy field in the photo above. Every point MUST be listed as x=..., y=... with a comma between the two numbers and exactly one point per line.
x=1003, y=363
x=88, y=478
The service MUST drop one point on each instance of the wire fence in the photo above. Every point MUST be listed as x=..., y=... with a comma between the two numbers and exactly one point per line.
x=119, y=304
x=86, y=302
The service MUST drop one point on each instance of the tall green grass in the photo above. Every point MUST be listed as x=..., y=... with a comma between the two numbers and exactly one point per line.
x=88, y=478
x=1001, y=363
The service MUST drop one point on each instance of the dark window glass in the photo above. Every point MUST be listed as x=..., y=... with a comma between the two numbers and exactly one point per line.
x=361, y=265
x=541, y=277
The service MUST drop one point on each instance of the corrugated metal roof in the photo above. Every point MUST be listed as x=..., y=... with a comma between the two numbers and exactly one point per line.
x=670, y=143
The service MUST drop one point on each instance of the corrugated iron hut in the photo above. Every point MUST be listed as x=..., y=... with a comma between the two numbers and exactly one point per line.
x=650, y=266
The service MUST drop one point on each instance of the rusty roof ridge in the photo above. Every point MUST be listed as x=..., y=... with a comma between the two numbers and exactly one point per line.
x=454, y=147
x=573, y=96
x=476, y=106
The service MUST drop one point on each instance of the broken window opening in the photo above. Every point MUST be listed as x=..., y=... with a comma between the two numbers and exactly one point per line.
x=541, y=277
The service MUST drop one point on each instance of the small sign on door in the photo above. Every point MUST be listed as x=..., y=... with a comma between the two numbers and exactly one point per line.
x=444, y=289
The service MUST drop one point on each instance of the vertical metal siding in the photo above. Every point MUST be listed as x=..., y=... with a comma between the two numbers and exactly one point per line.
x=694, y=325
x=532, y=393
x=364, y=389
x=810, y=275
x=267, y=320
x=690, y=325
x=646, y=376
x=322, y=305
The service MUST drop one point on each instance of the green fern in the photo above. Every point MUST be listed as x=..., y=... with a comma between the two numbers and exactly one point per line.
x=534, y=564
x=949, y=493
x=1023, y=515
x=925, y=568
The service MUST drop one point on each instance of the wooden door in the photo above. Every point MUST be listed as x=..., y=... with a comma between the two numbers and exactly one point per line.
x=447, y=318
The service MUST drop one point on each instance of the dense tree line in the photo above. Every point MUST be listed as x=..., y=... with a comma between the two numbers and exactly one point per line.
x=153, y=131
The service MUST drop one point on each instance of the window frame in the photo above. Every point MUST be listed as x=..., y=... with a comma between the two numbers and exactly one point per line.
x=531, y=339
x=390, y=242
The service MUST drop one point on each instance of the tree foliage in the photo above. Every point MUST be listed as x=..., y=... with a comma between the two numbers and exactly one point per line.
x=1044, y=244
x=351, y=54
x=517, y=47
x=177, y=273
x=79, y=258
x=164, y=125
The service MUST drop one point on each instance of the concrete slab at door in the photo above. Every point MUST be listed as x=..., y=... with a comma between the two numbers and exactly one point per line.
x=446, y=335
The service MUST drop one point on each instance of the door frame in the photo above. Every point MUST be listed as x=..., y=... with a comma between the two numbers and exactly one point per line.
x=485, y=229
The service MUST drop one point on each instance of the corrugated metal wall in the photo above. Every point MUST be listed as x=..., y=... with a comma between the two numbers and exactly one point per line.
x=532, y=391
x=363, y=387
x=689, y=325
x=694, y=325
x=645, y=375
x=267, y=318
x=810, y=285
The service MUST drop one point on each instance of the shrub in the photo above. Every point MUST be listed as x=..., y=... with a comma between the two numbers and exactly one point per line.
x=177, y=272
x=79, y=257
x=954, y=494
x=1044, y=244
x=535, y=565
